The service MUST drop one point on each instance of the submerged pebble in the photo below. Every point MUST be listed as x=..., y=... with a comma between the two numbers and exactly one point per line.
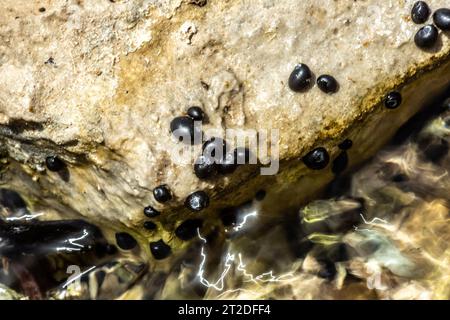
x=19, y=238
x=328, y=271
x=434, y=149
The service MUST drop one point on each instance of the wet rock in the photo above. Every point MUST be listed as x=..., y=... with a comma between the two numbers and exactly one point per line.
x=97, y=84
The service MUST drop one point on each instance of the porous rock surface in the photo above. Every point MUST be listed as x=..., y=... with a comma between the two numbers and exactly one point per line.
x=97, y=83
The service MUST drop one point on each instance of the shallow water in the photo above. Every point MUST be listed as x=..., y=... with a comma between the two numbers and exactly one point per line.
x=379, y=232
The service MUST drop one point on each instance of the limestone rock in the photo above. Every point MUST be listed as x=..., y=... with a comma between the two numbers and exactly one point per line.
x=97, y=83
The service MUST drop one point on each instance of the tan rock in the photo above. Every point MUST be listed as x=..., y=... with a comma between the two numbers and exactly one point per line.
x=98, y=82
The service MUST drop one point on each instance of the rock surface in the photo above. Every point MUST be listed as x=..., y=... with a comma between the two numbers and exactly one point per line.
x=97, y=83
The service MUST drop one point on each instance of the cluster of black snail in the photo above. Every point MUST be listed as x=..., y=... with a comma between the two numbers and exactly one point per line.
x=159, y=249
x=196, y=201
x=427, y=36
x=301, y=79
x=209, y=164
